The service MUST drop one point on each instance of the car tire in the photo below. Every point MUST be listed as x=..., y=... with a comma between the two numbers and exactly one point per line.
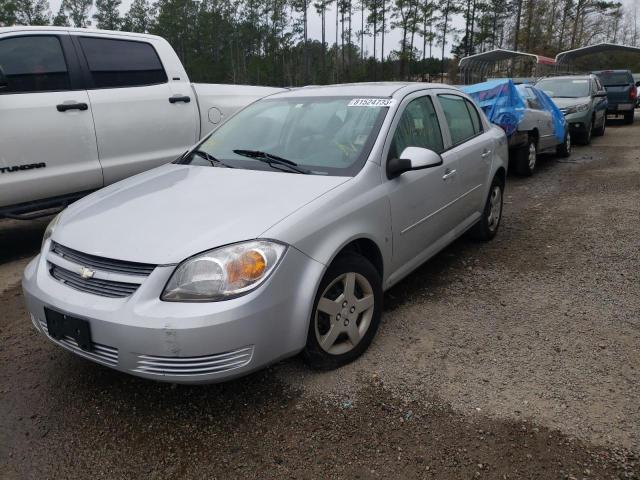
x=487, y=227
x=629, y=117
x=598, y=132
x=564, y=149
x=527, y=158
x=585, y=137
x=347, y=282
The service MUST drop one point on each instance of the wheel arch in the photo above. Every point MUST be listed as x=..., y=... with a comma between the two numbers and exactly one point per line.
x=366, y=247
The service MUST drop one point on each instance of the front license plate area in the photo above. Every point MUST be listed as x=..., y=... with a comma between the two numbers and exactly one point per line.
x=61, y=326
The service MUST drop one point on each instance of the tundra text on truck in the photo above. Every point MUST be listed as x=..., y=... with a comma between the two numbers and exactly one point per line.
x=81, y=109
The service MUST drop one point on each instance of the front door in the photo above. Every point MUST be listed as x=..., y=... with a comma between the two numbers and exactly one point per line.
x=47, y=137
x=420, y=199
x=143, y=120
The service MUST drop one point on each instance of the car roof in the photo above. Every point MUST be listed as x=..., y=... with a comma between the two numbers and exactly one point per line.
x=365, y=89
x=621, y=70
x=86, y=31
x=567, y=77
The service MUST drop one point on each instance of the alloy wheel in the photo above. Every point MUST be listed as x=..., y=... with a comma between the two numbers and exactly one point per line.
x=532, y=156
x=495, y=208
x=344, y=312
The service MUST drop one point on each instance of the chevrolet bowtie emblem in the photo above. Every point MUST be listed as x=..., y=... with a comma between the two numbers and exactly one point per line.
x=86, y=273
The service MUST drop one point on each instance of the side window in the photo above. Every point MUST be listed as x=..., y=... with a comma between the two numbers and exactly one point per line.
x=33, y=64
x=461, y=126
x=475, y=117
x=122, y=63
x=418, y=127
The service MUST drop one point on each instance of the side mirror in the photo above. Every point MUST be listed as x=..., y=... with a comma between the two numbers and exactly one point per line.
x=601, y=93
x=413, y=158
x=4, y=81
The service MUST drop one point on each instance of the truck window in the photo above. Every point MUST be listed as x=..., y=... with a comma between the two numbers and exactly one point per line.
x=33, y=64
x=122, y=63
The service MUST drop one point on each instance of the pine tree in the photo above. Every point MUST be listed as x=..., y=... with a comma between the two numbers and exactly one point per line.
x=32, y=12
x=7, y=12
x=140, y=17
x=61, y=19
x=107, y=14
x=78, y=12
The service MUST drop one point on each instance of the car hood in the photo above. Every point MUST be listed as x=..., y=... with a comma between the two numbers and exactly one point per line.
x=570, y=102
x=170, y=213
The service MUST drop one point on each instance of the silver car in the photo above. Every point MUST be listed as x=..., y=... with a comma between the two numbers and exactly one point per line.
x=275, y=235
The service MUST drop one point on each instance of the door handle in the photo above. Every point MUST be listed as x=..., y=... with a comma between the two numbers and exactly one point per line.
x=485, y=154
x=448, y=173
x=63, y=107
x=179, y=98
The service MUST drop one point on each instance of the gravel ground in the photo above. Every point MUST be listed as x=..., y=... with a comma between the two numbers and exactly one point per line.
x=513, y=359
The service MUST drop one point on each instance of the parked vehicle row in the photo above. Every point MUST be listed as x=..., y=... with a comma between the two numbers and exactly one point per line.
x=276, y=234
x=81, y=109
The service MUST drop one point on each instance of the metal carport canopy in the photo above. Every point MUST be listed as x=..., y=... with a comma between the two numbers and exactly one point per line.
x=499, y=54
x=570, y=55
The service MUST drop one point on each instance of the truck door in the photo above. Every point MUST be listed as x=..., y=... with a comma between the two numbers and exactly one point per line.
x=47, y=138
x=141, y=119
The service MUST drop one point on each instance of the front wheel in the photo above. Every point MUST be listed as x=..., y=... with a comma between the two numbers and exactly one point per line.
x=598, y=132
x=585, y=137
x=564, y=149
x=346, y=313
x=487, y=226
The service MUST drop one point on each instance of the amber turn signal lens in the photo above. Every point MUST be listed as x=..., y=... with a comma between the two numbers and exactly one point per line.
x=248, y=266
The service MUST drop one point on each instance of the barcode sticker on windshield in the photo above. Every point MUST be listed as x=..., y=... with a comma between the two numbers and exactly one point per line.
x=372, y=102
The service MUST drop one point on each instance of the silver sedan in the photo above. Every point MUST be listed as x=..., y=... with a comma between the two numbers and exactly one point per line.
x=275, y=235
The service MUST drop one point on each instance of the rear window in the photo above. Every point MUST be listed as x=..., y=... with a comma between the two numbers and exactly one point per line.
x=610, y=79
x=122, y=63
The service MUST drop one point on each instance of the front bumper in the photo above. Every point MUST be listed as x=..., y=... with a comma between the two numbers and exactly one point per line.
x=579, y=121
x=185, y=342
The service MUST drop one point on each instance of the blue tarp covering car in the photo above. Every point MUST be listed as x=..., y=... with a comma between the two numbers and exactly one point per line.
x=505, y=104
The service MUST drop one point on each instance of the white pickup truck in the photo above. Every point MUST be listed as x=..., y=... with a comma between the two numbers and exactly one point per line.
x=80, y=109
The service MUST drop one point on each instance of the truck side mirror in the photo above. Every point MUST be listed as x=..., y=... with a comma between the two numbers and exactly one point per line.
x=4, y=81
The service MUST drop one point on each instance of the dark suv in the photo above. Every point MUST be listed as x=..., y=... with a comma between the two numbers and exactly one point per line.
x=621, y=92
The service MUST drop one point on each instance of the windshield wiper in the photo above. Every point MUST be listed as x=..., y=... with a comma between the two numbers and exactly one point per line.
x=211, y=159
x=272, y=160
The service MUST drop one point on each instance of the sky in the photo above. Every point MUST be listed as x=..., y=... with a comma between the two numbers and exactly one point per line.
x=391, y=41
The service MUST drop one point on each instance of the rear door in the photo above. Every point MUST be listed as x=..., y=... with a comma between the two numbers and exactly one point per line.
x=47, y=138
x=546, y=137
x=472, y=147
x=141, y=119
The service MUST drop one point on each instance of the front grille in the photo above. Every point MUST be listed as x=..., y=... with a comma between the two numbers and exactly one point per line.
x=103, y=264
x=65, y=265
x=104, y=288
x=221, y=362
x=99, y=353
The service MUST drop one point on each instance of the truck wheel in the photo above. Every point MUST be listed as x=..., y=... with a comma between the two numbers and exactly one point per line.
x=346, y=313
x=598, y=132
x=526, y=158
x=628, y=117
x=564, y=149
x=487, y=226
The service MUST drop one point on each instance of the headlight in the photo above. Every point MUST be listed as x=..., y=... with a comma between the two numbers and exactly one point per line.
x=582, y=108
x=49, y=230
x=223, y=272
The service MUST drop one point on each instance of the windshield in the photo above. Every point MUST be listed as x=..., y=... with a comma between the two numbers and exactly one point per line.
x=611, y=79
x=311, y=135
x=565, y=87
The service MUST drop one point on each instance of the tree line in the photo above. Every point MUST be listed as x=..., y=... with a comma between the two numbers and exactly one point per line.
x=267, y=41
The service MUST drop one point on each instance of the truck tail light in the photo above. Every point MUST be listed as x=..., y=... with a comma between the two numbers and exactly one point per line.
x=633, y=93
